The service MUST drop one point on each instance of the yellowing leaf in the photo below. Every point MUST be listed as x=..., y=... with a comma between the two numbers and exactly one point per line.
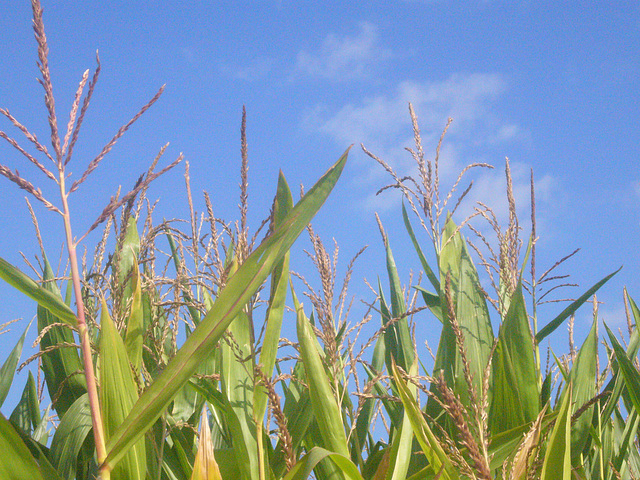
x=205, y=466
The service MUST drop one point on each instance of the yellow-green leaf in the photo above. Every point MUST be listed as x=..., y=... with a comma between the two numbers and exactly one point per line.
x=205, y=466
x=557, y=459
x=118, y=394
x=135, y=323
x=323, y=400
x=431, y=447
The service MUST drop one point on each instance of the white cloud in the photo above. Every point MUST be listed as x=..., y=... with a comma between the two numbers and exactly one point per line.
x=344, y=57
x=382, y=123
x=466, y=98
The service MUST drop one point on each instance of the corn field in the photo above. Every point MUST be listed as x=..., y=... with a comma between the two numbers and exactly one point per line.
x=163, y=357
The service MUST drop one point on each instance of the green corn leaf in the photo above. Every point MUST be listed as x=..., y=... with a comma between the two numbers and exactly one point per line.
x=471, y=313
x=629, y=373
x=432, y=301
x=70, y=436
x=275, y=311
x=363, y=423
x=397, y=337
x=118, y=394
x=129, y=251
x=583, y=379
x=16, y=461
x=303, y=468
x=237, y=292
x=423, y=260
x=60, y=363
x=135, y=324
x=45, y=298
x=9, y=367
x=237, y=384
x=626, y=446
x=557, y=459
x=516, y=399
x=183, y=455
x=323, y=400
x=40, y=455
x=401, y=452
x=431, y=447
x=26, y=415
x=571, y=309
x=616, y=384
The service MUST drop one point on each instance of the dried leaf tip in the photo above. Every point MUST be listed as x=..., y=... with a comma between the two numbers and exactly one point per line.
x=205, y=466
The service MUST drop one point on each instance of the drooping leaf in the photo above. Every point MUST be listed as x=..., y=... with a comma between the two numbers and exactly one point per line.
x=16, y=461
x=45, y=298
x=423, y=260
x=550, y=327
x=26, y=414
x=8, y=369
x=238, y=290
x=432, y=301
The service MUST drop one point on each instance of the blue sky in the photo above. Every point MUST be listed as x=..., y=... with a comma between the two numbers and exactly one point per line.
x=549, y=85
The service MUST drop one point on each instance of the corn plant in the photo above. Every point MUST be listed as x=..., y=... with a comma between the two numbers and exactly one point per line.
x=172, y=365
x=122, y=403
x=490, y=412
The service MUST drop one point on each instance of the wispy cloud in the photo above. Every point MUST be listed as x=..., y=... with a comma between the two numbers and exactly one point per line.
x=382, y=122
x=344, y=57
x=383, y=125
